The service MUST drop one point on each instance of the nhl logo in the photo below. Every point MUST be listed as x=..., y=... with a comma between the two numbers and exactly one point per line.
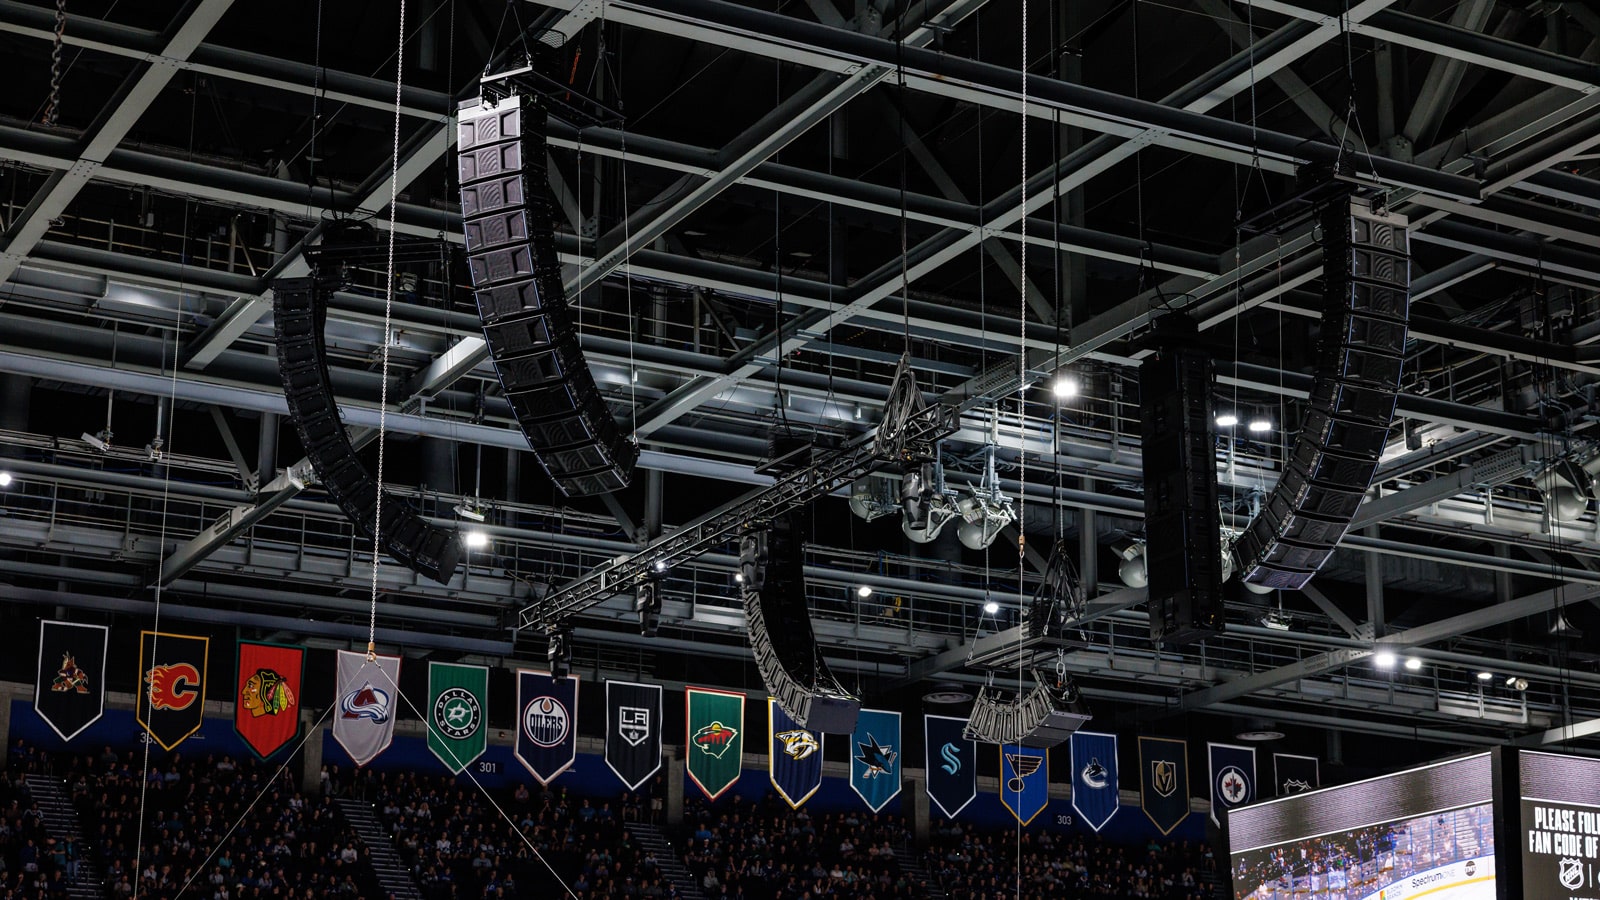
x=457, y=714
x=546, y=722
x=1571, y=874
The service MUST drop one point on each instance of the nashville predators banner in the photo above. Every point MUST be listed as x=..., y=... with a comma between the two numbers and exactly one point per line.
x=794, y=757
x=366, y=698
x=171, y=699
x=458, y=700
x=70, y=694
x=547, y=723
x=633, y=731
x=1164, y=781
x=266, y=709
x=714, y=743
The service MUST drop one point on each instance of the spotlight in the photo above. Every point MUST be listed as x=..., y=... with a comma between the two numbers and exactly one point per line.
x=470, y=512
x=1485, y=676
x=1132, y=569
x=558, y=653
x=1517, y=683
x=475, y=540
x=101, y=441
x=1413, y=664
x=991, y=607
x=864, y=591
x=926, y=507
x=5, y=479
x=1227, y=420
x=1065, y=387
x=647, y=603
x=1259, y=426
x=738, y=578
x=1277, y=620
x=1383, y=659
x=986, y=510
x=660, y=566
x=872, y=498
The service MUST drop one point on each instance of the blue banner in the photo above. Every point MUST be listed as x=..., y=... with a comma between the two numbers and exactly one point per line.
x=547, y=723
x=875, y=757
x=1024, y=781
x=1094, y=777
x=1233, y=778
x=952, y=764
x=1164, y=781
x=794, y=757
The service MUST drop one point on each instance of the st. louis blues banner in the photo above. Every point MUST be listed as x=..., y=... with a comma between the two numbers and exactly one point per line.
x=1094, y=777
x=952, y=764
x=1164, y=781
x=458, y=713
x=1295, y=774
x=794, y=757
x=266, y=709
x=1024, y=781
x=633, y=731
x=1233, y=778
x=875, y=757
x=547, y=723
x=171, y=701
x=70, y=694
x=367, y=699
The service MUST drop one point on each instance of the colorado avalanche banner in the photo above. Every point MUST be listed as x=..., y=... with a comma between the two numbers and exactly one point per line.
x=366, y=697
x=794, y=757
x=1164, y=781
x=1094, y=777
x=633, y=731
x=1295, y=774
x=170, y=702
x=1233, y=778
x=1024, y=781
x=875, y=757
x=547, y=723
x=714, y=742
x=70, y=693
x=458, y=713
x=952, y=764
x=266, y=708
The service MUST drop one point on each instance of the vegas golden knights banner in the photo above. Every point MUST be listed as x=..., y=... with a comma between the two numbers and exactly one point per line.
x=70, y=693
x=266, y=709
x=1164, y=781
x=171, y=701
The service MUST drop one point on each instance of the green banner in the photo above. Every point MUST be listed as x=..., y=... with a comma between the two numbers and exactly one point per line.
x=715, y=739
x=458, y=700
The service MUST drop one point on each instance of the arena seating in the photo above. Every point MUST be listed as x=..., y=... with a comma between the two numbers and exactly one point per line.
x=969, y=864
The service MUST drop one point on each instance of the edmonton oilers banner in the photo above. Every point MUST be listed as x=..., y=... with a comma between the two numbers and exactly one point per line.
x=633, y=731
x=952, y=764
x=1295, y=774
x=266, y=709
x=70, y=693
x=1233, y=778
x=875, y=757
x=171, y=700
x=794, y=757
x=547, y=723
x=1024, y=780
x=1094, y=777
x=366, y=701
x=714, y=742
x=1164, y=781
x=458, y=722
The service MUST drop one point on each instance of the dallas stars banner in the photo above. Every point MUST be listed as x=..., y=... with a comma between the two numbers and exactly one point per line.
x=794, y=757
x=170, y=703
x=458, y=697
x=714, y=742
x=875, y=757
x=266, y=709
x=70, y=693
x=1024, y=781
x=1094, y=777
x=1164, y=781
x=952, y=764
x=366, y=693
x=1295, y=774
x=547, y=723
x=1233, y=778
x=633, y=731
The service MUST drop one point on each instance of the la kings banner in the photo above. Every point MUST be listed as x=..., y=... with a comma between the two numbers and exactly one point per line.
x=633, y=731
x=70, y=693
x=458, y=700
x=365, y=694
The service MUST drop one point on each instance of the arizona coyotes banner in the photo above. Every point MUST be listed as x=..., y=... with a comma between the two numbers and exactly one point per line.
x=1094, y=777
x=266, y=708
x=952, y=763
x=1164, y=781
x=1233, y=778
x=171, y=701
x=547, y=723
x=794, y=757
x=875, y=757
x=1295, y=774
x=367, y=694
x=458, y=698
x=714, y=743
x=70, y=693
x=1024, y=781
x=633, y=731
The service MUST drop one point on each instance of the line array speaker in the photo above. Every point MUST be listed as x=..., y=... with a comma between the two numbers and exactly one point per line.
x=517, y=276
x=1043, y=717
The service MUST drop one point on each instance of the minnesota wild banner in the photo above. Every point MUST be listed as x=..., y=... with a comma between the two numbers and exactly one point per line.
x=1164, y=781
x=1024, y=781
x=70, y=693
x=794, y=757
x=170, y=703
x=266, y=709
x=633, y=731
x=547, y=723
x=458, y=696
x=366, y=694
x=875, y=757
x=714, y=742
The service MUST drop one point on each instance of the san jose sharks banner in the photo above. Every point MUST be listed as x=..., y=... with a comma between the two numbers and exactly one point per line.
x=366, y=701
x=547, y=723
x=714, y=743
x=875, y=757
x=1024, y=781
x=1094, y=777
x=794, y=757
x=633, y=731
x=458, y=713
x=1233, y=778
x=1164, y=781
x=70, y=693
x=1293, y=774
x=952, y=764
x=171, y=701
x=266, y=708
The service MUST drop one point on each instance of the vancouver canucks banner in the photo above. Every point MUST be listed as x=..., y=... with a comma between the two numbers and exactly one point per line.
x=794, y=757
x=1295, y=774
x=714, y=743
x=70, y=693
x=1233, y=778
x=1164, y=781
x=633, y=731
x=266, y=708
x=366, y=696
x=952, y=764
x=1024, y=780
x=171, y=701
x=1094, y=777
x=547, y=723
x=458, y=703
x=875, y=757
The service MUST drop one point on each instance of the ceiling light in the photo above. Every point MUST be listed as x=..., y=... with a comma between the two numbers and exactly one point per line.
x=1065, y=387
x=5, y=479
x=660, y=565
x=1485, y=676
x=738, y=578
x=96, y=441
x=1413, y=664
x=1227, y=420
x=947, y=693
x=1383, y=659
x=1259, y=735
x=1517, y=683
x=476, y=540
x=1259, y=426
x=864, y=591
x=991, y=607
x=469, y=512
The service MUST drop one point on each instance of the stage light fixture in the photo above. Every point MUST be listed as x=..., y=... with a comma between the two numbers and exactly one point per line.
x=1259, y=426
x=872, y=498
x=469, y=511
x=660, y=566
x=1132, y=570
x=1413, y=664
x=991, y=608
x=1567, y=488
x=1384, y=659
x=986, y=511
x=475, y=540
x=1517, y=683
x=1277, y=620
x=100, y=442
x=5, y=479
x=1485, y=676
x=647, y=603
x=926, y=506
x=558, y=653
x=1065, y=387
x=1227, y=420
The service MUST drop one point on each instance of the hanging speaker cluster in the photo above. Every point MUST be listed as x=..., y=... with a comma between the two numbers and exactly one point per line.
x=1043, y=717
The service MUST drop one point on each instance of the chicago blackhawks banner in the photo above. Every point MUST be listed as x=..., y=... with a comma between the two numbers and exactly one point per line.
x=266, y=709
x=633, y=731
x=547, y=723
x=1295, y=774
x=1094, y=777
x=70, y=693
x=458, y=695
x=1164, y=781
x=952, y=764
x=794, y=757
x=714, y=743
x=170, y=703
x=875, y=757
x=367, y=696
x=1024, y=781
x=1233, y=778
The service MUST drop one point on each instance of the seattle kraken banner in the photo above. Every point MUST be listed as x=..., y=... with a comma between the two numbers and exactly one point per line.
x=70, y=694
x=1295, y=774
x=1233, y=778
x=794, y=757
x=952, y=764
x=875, y=757
x=1164, y=781
x=458, y=705
x=1024, y=781
x=1094, y=777
x=547, y=723
x=367, y=696
x=633, y=731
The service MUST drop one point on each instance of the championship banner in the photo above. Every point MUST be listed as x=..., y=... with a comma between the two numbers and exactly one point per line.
x=366, y=693
x=633, y=731
x=171, y=701
x=1024, y=781
x=794, y=757
x=875, y=757
x=458, y=703
x=1164, y=781
x=1233, y=778
x=266, y=708
x=714, y=743
x=952, y=764
x=70, y=692
x=1094, y=777
x=1295, y=774
x=547, y=723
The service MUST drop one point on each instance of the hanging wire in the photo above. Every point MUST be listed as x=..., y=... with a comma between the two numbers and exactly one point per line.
x=1022, y=398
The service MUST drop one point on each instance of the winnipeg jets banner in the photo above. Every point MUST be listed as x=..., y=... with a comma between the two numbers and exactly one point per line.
x=70, y=693
x=1024, y=781
x=1094, y=777
x=1293, y=774
x=794, y=757
x=458, y=713
x=952, y=764
x=266, y=708
x=875, y=757
x=633, y=731
x=1164, y=781
x=171, y=700
x=714, y=742
x=1233, y=778
x=547, y=723
x=366, y=701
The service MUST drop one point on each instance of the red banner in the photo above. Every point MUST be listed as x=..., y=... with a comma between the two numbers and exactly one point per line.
x=266, y=699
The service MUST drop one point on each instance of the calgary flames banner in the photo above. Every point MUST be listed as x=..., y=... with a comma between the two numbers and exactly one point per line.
x=172, y=685
x=266, y=709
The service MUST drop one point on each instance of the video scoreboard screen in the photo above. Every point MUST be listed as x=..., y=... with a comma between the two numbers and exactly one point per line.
x=1558, y=823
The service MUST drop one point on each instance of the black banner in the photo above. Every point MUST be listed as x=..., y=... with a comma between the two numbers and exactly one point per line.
x=70, y=693
x=171, y=700
x=952, y=764
x=1294, y=774
x=1164, y=781
x=633, y=731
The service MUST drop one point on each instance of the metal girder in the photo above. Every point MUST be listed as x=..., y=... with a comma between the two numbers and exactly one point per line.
x=1444, y=76
x=1332, y=611
x=1495, y=470
x=1299, y=93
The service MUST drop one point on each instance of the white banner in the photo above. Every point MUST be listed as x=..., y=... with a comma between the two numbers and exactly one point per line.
x=366, y=701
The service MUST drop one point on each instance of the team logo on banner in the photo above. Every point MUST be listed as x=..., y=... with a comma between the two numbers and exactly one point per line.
x=170, y=703
x=365, y=694
x=875, y=757
x=1164, y=781
x=633, y=731
x=714, y=743
x=266, y=709
x=1024, y=781
x=1295, y=774
x=547, y=723
x=1094, y=777
x=794, y=757
x=1233, y=778
x=952, y=764
x=70, y=691
x=457, y=697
